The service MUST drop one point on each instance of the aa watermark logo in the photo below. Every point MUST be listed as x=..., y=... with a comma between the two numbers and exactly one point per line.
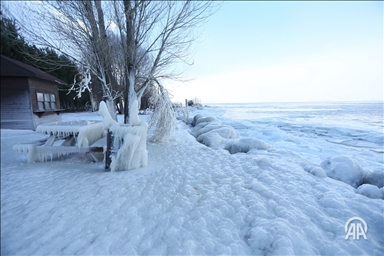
x=356, y=227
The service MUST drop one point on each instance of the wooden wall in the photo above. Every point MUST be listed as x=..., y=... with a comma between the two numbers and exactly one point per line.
x=36, y=86
x=16, y=112
x=19, y=103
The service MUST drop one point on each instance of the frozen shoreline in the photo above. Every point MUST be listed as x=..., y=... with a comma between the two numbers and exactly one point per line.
x=190, y=199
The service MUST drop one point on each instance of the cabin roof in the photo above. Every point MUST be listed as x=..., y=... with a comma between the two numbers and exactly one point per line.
x=11, y=67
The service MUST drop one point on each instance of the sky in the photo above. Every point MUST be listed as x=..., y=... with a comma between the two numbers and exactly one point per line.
x=303, y=51
x=287, y=51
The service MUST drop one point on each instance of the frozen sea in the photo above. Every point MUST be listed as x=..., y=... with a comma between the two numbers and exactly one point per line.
x=314, y=130
x=196, y=200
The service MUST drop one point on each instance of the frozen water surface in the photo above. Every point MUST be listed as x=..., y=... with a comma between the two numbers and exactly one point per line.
x=192, y=199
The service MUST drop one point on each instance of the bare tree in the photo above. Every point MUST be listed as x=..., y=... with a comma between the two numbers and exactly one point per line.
x=129, y=45
x=161, y=34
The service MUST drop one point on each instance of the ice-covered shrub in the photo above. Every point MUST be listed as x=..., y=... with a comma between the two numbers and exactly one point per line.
x=344, y=169
x=163, y=119
x=244, y=145
x=375, y=177
x=370, y=191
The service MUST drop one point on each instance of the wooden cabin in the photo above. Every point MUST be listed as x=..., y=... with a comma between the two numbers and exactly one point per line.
x=29, y=96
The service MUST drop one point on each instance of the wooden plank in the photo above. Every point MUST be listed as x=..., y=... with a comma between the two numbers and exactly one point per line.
x=91, y=157
x=50, y=140
x=69, y=141
x=108, y=151
x=69, y=149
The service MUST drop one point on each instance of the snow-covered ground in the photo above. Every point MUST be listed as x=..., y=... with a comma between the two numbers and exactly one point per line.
x=193, y=199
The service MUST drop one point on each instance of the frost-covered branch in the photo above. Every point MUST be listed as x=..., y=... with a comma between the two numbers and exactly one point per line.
x=162, y=121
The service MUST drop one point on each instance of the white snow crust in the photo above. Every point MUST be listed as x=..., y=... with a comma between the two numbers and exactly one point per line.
x=370, y=191
x=192, y=199
x=375, y=177
x=344, y=169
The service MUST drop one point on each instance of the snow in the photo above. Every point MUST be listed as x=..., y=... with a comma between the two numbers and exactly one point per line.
x=375, y=177
x=193, y=199
x=370, y=191
x=344, y=169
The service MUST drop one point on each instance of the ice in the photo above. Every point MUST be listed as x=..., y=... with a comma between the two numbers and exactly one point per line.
x=375, y=177
x=131, y=144
x=344, y=169
x=316, y=171
x=134, y=114
x=245, y=145
x=370, y=191
x=192, y=199
x=90, y=134
x=210, y=132
x=108, y=121
x=129, y=141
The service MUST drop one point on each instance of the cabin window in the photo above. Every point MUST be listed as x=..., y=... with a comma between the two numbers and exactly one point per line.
x=46, y=101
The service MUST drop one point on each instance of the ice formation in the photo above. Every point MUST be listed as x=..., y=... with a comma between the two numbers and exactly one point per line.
x=107, y=119
x=129, y=148
x=375, y=177
x=344, y=169
x=131, y=144
x=244, y=145
x=370, y=191
x=212, y=133
x=85, y=133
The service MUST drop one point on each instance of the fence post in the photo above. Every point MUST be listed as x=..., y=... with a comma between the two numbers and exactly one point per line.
x=108, y=150
x=186, y=110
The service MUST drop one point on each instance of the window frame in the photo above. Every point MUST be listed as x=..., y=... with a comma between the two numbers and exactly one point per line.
x=46, y=101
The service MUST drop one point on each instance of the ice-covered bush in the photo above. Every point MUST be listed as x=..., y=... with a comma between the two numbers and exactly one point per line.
x=163, y=118
x=370, y=191
x=344, y=169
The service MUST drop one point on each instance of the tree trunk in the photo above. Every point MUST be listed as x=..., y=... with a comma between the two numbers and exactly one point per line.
x=130, y=47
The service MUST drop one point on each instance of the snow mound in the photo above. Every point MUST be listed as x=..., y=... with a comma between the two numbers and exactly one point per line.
x=343, y=169
x=375, y=177
x=245, y=145
x=370, y=191
x=316, y=171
